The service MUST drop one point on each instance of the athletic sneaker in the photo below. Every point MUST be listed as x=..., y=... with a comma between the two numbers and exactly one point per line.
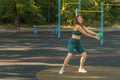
x=82, y=70
x=61, y=72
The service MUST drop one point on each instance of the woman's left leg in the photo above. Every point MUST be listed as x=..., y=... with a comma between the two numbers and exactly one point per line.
x=82, y=61
x=81, y=50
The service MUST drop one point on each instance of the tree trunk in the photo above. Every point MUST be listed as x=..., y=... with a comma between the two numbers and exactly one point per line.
x=16, y=17
x=16, y=21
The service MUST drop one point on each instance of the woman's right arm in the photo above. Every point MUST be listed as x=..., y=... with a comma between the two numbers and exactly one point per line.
x=87, y=34
x=89, y=31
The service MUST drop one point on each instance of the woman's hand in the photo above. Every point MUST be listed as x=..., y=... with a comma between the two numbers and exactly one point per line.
x=97, y=38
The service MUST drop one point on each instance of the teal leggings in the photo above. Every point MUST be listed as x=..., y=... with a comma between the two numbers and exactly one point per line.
x=75, y=44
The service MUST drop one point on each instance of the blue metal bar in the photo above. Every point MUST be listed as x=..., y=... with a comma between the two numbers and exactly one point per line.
x=79, y=7
x=59, y=18
x=76, y=13
x=35, y=30
x=102, y=23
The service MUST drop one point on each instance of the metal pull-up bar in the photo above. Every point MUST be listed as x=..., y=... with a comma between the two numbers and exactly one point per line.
x=89, y=11
x=111, y=4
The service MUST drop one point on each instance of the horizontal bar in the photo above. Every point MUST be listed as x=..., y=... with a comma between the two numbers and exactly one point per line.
x=71, y=3
x=88, y=11
x=112, y=4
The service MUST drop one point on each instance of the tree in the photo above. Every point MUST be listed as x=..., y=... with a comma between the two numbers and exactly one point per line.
x=16, y=8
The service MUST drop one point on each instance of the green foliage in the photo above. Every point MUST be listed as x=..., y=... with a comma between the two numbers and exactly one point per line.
x=22, y=7
x=111, y=13
x=46, y=12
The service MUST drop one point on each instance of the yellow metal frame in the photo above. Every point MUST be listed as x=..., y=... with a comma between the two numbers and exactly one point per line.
x=63, y=1
x=71, y=3
x=88, y=11
x=67, y=3
x=112, y=4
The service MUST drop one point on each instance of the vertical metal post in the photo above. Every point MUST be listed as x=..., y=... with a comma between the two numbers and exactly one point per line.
x=102, y=23
x=59, y=18
x=79, y=6
x=76, y=12
x=35, y=29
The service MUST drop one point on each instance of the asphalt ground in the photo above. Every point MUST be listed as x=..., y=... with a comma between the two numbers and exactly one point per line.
x=24, y=56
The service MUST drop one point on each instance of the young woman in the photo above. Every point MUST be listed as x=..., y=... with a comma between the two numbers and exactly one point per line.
x=74, y=43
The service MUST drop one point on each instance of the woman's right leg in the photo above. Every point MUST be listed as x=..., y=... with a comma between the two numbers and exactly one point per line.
x=71, y=47
x=67, y=59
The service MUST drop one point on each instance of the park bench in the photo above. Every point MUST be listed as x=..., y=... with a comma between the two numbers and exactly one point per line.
x=38, y=28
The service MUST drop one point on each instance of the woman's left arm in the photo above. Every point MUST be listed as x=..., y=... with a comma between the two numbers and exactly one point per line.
x=89, y=31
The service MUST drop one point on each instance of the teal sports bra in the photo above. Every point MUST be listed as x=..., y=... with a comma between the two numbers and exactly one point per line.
x=77, y=32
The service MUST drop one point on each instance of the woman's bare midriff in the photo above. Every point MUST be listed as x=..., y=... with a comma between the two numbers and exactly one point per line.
x=76, y=37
